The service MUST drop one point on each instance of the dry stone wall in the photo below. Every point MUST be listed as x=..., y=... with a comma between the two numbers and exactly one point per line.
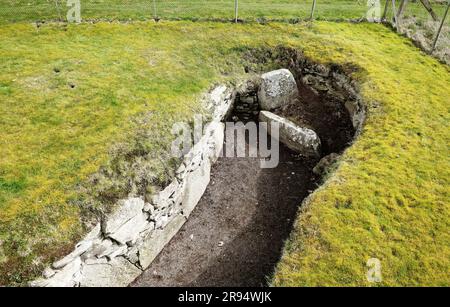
x=126, y=241
x=334, y=85
x=246, y=105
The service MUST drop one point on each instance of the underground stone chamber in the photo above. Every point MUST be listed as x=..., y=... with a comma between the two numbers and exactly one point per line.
x=223, y=221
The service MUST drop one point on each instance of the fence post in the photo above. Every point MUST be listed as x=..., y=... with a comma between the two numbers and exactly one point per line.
x=401, y=9
x=155, y=13
x=429, y=8
x=386, y=7
x=313, y=9
x=58, y=10
x=236, y=10
x=394, y=12
x=440, y=27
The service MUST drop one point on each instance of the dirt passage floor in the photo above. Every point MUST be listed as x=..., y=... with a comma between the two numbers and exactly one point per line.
x=235, y=235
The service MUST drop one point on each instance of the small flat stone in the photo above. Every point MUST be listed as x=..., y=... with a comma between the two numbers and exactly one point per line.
x=126, y=210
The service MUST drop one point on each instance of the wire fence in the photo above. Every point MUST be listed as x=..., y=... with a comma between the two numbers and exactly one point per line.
x=33, y=10
x=248, y=10
x=409, y=14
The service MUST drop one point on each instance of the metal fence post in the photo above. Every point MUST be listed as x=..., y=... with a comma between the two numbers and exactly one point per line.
x=313, y=9
x=401, y=9
x=440, y=27
x=394, y=12
x=386, y=7
x=236, y=10
x=58, y=10
x=155, y=13
x=429, y=8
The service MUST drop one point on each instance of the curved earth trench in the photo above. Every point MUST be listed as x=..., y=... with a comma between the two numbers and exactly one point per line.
x=235, y=235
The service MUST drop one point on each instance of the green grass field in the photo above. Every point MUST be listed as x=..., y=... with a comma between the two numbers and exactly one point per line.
x=249, y=10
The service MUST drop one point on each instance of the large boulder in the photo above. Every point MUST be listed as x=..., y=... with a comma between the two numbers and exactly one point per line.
x=302, y=140
x=277, y=88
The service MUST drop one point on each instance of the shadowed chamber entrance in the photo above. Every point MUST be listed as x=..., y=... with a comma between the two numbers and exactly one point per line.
x=235, y=235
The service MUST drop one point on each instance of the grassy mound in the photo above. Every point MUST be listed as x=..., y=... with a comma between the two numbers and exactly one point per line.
x=75, y=98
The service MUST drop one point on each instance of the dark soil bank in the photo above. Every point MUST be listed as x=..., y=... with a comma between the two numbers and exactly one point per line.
x=327, y=118
x=235, y=235
x=247, y=209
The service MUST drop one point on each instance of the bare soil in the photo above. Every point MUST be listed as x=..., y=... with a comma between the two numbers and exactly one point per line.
x=236, y=234
x=328, y=118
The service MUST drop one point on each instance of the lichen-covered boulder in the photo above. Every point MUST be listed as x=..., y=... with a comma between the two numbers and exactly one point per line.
x=277, y=88
x=302, y=140
x=325, y=164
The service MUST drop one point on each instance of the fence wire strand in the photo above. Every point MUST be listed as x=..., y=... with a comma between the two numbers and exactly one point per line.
x=35, y=10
